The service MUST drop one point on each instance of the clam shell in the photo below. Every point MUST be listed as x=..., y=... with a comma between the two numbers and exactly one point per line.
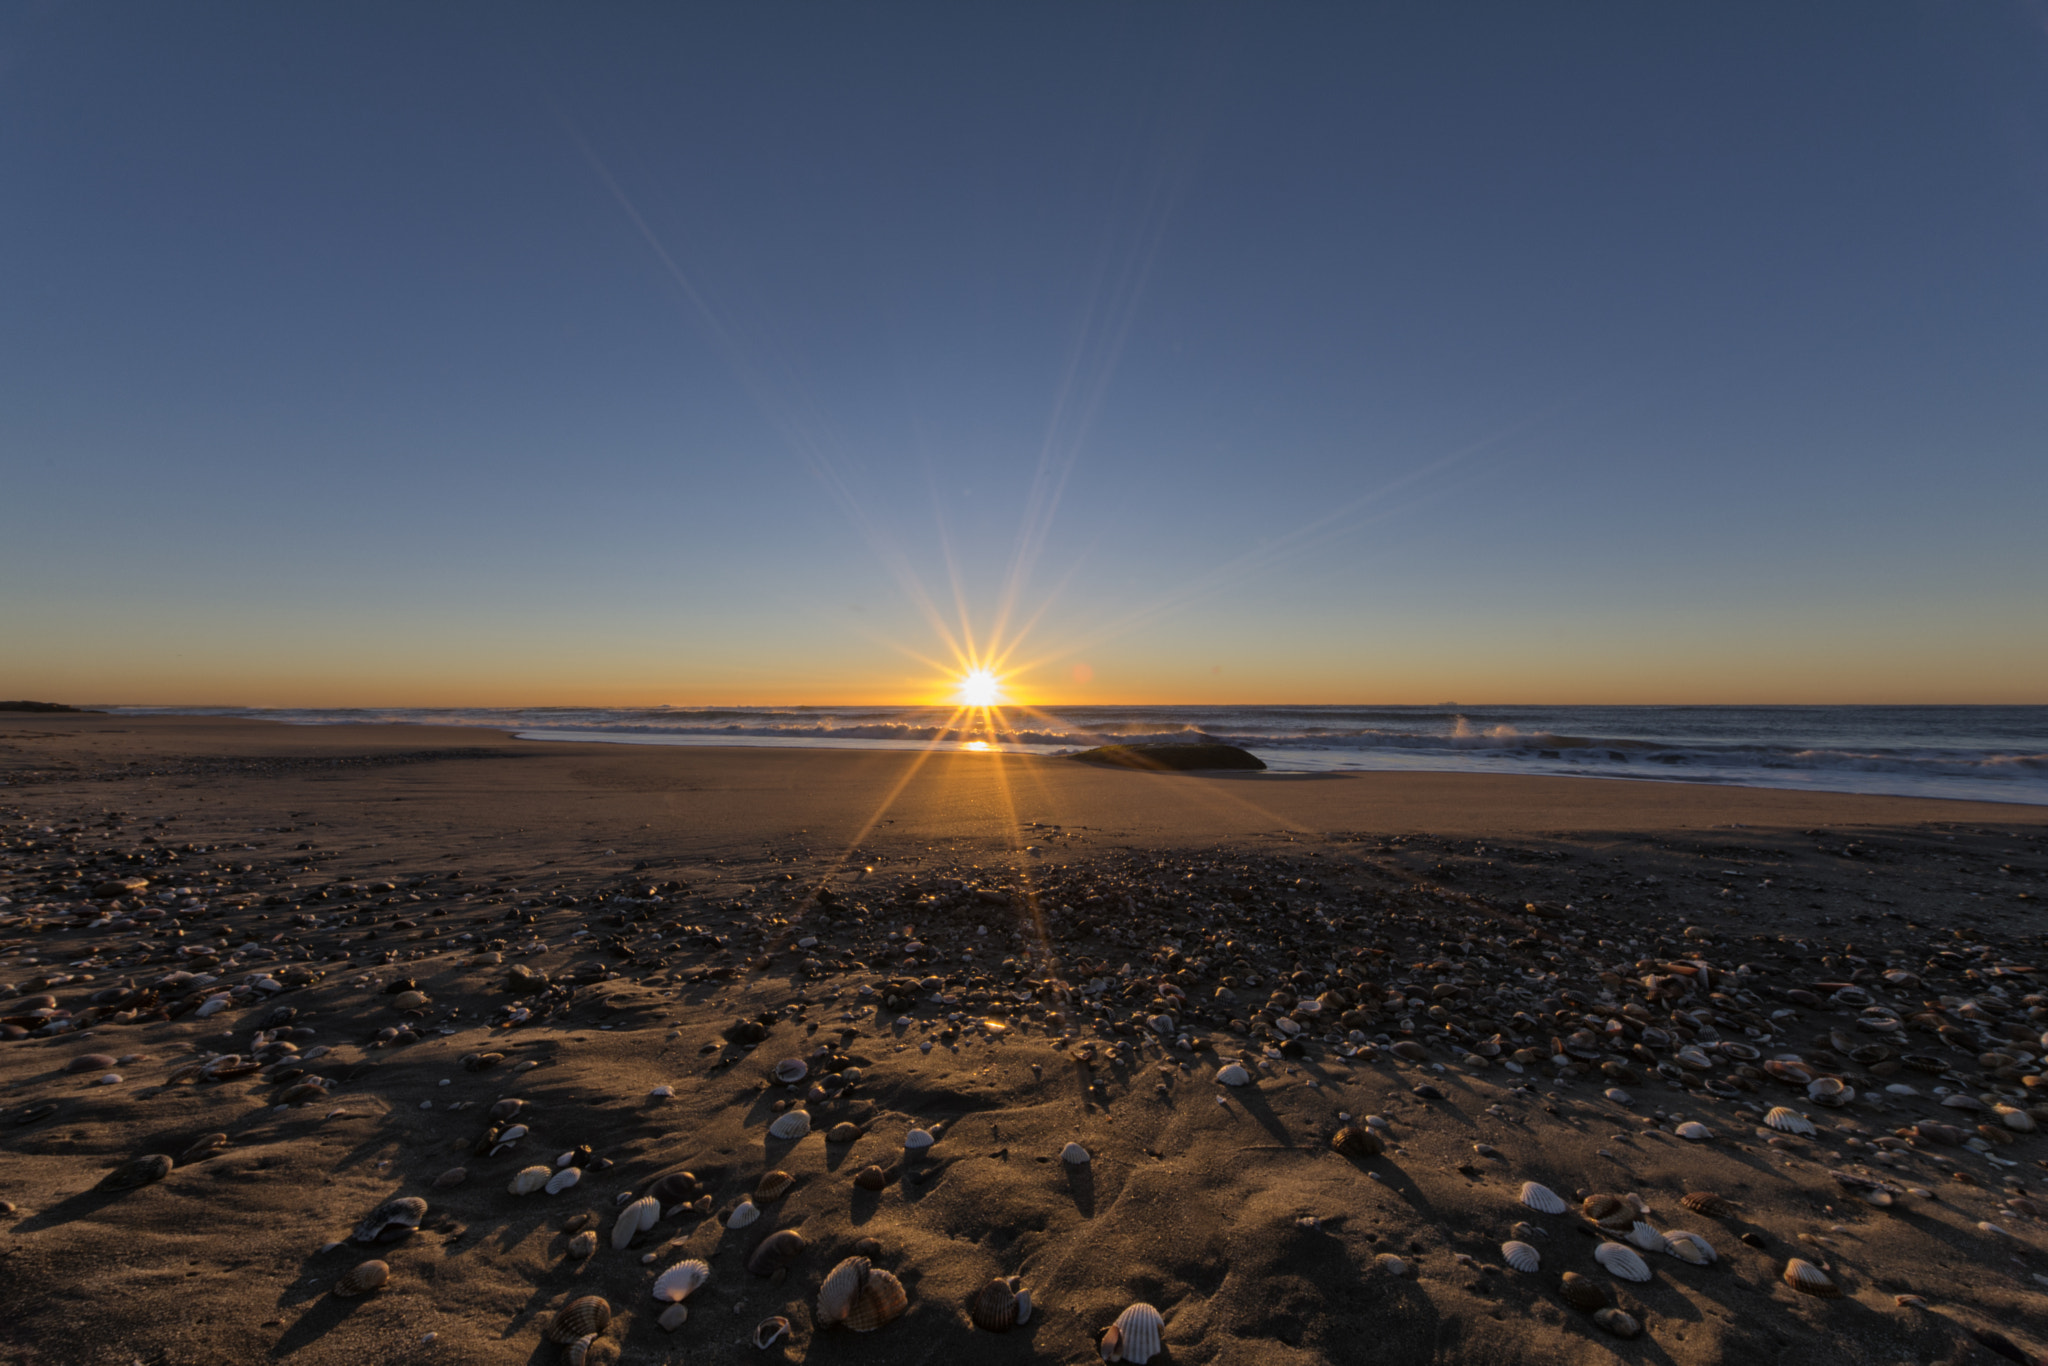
x=578, y=1318
x=1357, y=1141
x=917, y=1140
x=1231, y=1074
x=1074, y=1155
x=773, y=1187
x=362, y=1279
x=1520, y=1256
x=1618, y=1322
x=871, y=1178
x=674, y=1188
x=791, y=1070
x=563, y=1179
x=994, y=1307
x=1809, y=1279
x=1830, y=1091
x=1788, y=1121
x=676, y=1284
x=791, y=1124
x=1134, y=1337
x=768, y=1330
x=1693, y=1130
x=1645, y=1237
x=841, y=1288
x=1707, y=1203
x=843, y=1132
x=881, y=1299
x=1582, y=1292
x=744, y=1213
x=527, y=1180
x=1622, y=1262
x=1690, y=1247
x=2016, y=1119
x=775, y=1252
x=674, y=1317
x=140, y=1171
x=1542, y=1199
x=635, y=1219
x=392, y=1220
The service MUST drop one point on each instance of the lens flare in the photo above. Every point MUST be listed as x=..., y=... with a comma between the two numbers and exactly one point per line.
x=979, y=688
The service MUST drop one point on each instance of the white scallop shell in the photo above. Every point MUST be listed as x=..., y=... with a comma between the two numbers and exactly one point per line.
x=791, y=1124
x=742, y=1214
x=1134, y=1337
x=1788, y=1121
x=1542, y=1199
x=1232, y=1074
x=1622, y=1261
x=1521, y=1256
x=917, y=1140
x=1690, y=1247
x=530, y=1179
x=634, y=1219
x=563, y=1179
x=1646, y=1238
x=676, y=1284
x=1074, y=1155
x=1694, y=1130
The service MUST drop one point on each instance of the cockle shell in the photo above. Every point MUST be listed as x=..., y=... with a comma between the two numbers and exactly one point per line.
x=843, y=1132
x=842, y=1286
x=744, y=1213
x=1231, y=1074
x=775, y=1252
x=635, y=1219
x=140, y=1171
x=1134, y=1337
x=1622, y=1261
x=792, y=1070
x=1520, y=1256
x=563, y=1179
x=768, y=1330
x=1618, y=1322
x=1788, y=1121
x=579, y=1317
x=882, y=1298
x=1693, y=1130
x=871, y=1178
x=392, y=1220
x=791, y=1124
x=1809, y=1279
x=917, y=1140
x=674, y=1317
x=1542, y=1199
x=1707, y=1203
x=1000, y=1305
x=674, y=1188
x=1694, y=1058
x=1074, y=1155
x=1355, y=1141
x=362, y=1279
x=676, y=1284
x=773, y=1187
x=591, y=1350
x=1582, y=1292
x=1830, y=1091
x=2016, y=1119
x=1645, y=1237
x=583, y=1244
x=1690, y=1247
x=527, y=1180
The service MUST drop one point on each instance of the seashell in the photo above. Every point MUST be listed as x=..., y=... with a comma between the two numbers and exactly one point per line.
x=1232, y=1074
x=995, y=1308
x=583, y=1244
x=1582, y=1292
x=1690, y=1247
x=2016, y=1119
x=527, y=1180
x=635, y=1219
x=775, y=1252
x=791, y=1124
x=1521, y=1256
x=1621, y=1261
x=871, y=1178
x=201, y=1149
x=917, y=1140
x=1542, y=1199
x=881, y=1299
x=392, y=1220
x=674, y=1188
x=1693, y=1058
x=1618, y=1322
x=843, y=1132
x=1830, y=1091
x=451, y=1178
x=841, y=1288
x=791, y=1070
x=1133, y=1337
x=1607, y=1210
x=140, y=1171
x=1809, y=1279
x=1958, y=1101
x=674, y=1317
x=744, y=1213
x=1789, y=1121
x=410, y=1000
x=563, y=1179
x=362, y=1279
x=1074, y=1155
x=1707, y=1203
x=1646, y=1238
x=1354, y=1141
x=1693, y=1130
x=1791, y=1071
x=506, y=1108
x=1742, y=1052
x=1392, y=1265
x=676, y=1284
x=580, y=1317
x=767, y=1331
x=773, y=1187
x=591, y=1350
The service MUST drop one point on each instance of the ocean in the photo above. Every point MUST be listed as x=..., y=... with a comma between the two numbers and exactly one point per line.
x=1997, y=754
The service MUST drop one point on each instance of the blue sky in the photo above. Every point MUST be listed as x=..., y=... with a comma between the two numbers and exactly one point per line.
x=403, y=355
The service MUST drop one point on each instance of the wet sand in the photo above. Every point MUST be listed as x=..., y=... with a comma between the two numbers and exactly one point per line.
x=1013, y=954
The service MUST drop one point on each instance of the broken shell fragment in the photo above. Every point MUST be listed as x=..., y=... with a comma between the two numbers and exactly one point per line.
x=1542, y=1199
x=392, y=1220
x=1134, y=1337
x=768, y=1330
x=362, y=1279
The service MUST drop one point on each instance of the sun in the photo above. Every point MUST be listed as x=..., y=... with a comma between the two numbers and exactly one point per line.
x=979, y=688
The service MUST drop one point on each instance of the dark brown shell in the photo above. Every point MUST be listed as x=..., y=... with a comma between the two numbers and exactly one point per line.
x=775, y=1252
x=580, y=1318
x=674, y=1188
x=1582, y=1292
x=137, y=1171
x=1707, y=1203
x=994, y=1306
x=882, y=1298
x=843, y=1132
x=871, y=1178
x=1618, y=1322
x=1358, y=1142
x=773, y=1187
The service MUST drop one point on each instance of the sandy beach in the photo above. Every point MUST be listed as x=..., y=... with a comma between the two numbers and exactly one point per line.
x=263, y=980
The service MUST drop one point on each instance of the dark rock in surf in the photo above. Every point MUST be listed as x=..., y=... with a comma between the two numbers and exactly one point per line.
x=1171, y=758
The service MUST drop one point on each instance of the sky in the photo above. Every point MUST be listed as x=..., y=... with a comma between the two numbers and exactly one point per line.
x=401, y=355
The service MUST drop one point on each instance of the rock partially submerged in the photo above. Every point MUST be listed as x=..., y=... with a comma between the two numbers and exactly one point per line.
x=1171, y=758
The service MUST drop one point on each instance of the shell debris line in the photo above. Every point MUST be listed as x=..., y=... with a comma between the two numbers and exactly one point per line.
x=600, y=1093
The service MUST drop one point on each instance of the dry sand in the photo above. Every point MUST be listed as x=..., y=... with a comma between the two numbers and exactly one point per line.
x=1000, y=944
